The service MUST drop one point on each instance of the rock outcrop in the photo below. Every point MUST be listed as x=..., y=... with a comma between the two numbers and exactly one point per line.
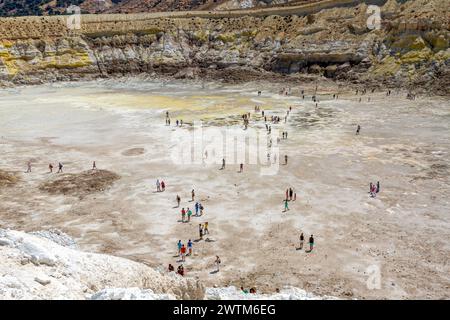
x=37, y=267
x=326, y=38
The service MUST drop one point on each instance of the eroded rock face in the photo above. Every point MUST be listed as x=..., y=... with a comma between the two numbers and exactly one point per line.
x=409, y=48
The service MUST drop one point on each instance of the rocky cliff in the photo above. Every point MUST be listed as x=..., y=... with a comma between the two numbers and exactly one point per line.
x=47, y=265
x=327, y=39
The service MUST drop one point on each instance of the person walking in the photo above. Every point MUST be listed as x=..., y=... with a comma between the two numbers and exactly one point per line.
x=183, y=253
x=158, y=185
x=28, y=166
x=311, y=243
x=163, y=186
x=378, y=187
x=286, y=205
x=179, y=245
x=200, y=231
x=50, y=167
x=190, y=247
x=302, y=240
x=178, y=201
x=197, y=207
x=217, y=262
x=60, y=167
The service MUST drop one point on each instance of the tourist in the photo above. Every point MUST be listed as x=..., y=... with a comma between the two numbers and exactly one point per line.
x=189, y=214
x=286, y=205
x=183, y=253
x=171, y=268
x=287, y=194
x=241, y=167
x=285, y=159
x=205, y=229
x=179, y=245
x=183, y=214
x=200, y=231
x=373, y=190
x=291, y=193
x=28, y=166
x=302, y=239
x=193, y=195
x=217, y=262
x=94, y=166
x=178, y=201
x=50, y=167
x=197, y=207
x=60, y=167
x=295, y=196
x=201, y=209
x=223, y=164
x=358, y=129
x=158, y=185
x=163, y=186
x=378, y=187
x=311, y=243
x=190, y=247
x=180, y=270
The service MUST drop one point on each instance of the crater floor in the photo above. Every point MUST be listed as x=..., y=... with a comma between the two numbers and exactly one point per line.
x=404, y=144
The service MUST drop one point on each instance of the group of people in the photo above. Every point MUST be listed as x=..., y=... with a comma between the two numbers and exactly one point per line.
x=51, y=167
x=252, y=290
x=180, y=269
x=185, y=250
x=186, y=214
x=160, y=186
x=302, y=241
x=203, y=230
x=290, y=196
